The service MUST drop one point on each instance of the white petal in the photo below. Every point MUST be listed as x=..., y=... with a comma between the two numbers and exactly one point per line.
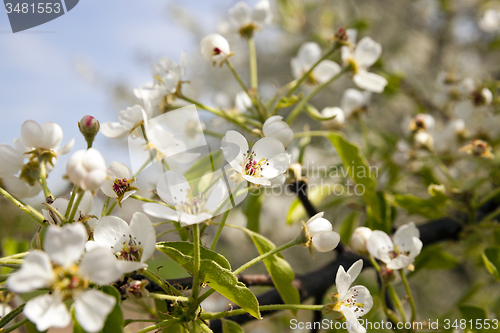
x=31, y=133
x=352, y=99
x=416, y=248
x=353, y=325
x=19, y=188
x=92, y=307
x=355, y=269
x=100, y=266
x=109, y=231
x=94, y=180
x=257, y=180
x=190, y=219
x=261, y=13
x=370, y=81
x=52, y=136
x=217, y=196
x=239, y=15
x=160, y=211
x=277, y=165
x=66, y=148
x=379, y=245
x=326, y=241
x=142, y=230
x=172, y=188
x=47, y=311
x=342, y=282
x=400, y=262
x=318, y=225
x=317, y=216
x=115, y=130
x=364, y=300
x=237, y=139
x=325, y=71
x=403, y=237
x=367, y=52
x=309, y=54
x=86, y=205
x=12, y=160
x=126, y=266
x=65, y=245
x=93, y=160
x=120, y=170
x=267, y=148
x=35, y=272
x=132, y=116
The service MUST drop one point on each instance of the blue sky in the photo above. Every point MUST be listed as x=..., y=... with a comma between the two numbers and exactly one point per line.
x=39, y=80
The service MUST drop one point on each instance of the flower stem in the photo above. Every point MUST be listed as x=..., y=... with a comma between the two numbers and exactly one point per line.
x=388, y=312
x=42, y=179
x=165, y=323
x=105, y=206
x=271, y=307
x=304, y=77
x=296, y=111
x=75, y=208
x=170, y=297
x=70, y=203
x=137, y=197
x=196, y=258
x=253, y=64
x=410, y=296
x=395, y=298
x=219, y=231
x=111, y=208
x=30, y=211
x=245, y=89
x=15, y=326
x=159, y=281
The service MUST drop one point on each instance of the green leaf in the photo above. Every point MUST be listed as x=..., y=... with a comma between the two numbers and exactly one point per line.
x=251, y=209
x=76, y=325
x=215, y=271
x=229, y=326
x=348, y=226
x=317, y=196
x=31, y=328
x=431, y=208
x=358, y=169
x=434, y=257
x=280, y=270
x=114, y=321
x=11, y=315
x=295, y=212
x=475, y=316
x=491, y=259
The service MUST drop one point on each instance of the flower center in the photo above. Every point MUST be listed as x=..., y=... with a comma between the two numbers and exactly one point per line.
x=131, y=250
x=67, y=280
x=351, y=300
x=120, y=186
x=216, y=51
x=194, y=205
x=252, y=166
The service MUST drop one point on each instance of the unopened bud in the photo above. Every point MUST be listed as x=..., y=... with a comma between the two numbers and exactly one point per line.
x=359, y=238
x=136, y=289
x=436, y=190
x=89, y=127
x=387, y=275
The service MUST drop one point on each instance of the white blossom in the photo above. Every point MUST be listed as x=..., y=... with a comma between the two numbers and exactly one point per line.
x=275, y=127
x=323, y=238
x=359, y=238
x=168, y=74
x=246, y=20
x=265, y=164
x=59, y=268
x=87, y=169
x=242, y=101
x=490, y=22
x=309, y=54
x=130, y=119
x=360, y=58
x=339, y=117
x=354, y=101
x=61, y=204
x=215, y=49
x=398, y=254
x=132, y=244
x=118, y=184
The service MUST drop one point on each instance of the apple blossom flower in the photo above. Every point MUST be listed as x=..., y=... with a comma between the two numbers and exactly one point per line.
x=436, y=190
x=479, y=96
x=168, y=74
x=242, y=101
x=423, y=140
x=191, y=206
x=354, y=102
x=339, y=117
x=351, y=302
x=490, y=22
x=61, y=204
x=130, y=119
x=422, y=122
x=275, y=127
x=309, y=54
x=87, y=169
x=322, y=236
x=119, y=182
x=59, y=268
x=215, y=49
x=359, y=238
x=245, y=20
x=265, y=164
x=398, y=254
x=152, y=94
x=478, y=148
x=45, y=138
x=132, y=244
x=360, y=58
x=89, y=127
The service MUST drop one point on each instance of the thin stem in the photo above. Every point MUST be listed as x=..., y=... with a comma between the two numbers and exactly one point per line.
x=170, y=297
x=105, y=207
x=15, y=326
x=253, y=64
x=111, y=208
x=196, y=258
x=138, y=197
x=162, y=283
x=219, y=231
x=238, y=78
x=75, y=208
x=272, y=307
x=395, y=298
x=30, y=211
x=388, y=312
x=296, y=111
x=166, y=232
x=42, y=179
x=410, y=296
x=308, y=73
x=255, y=260
x=166, y=323
x=70, y=203
x=143, y=166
